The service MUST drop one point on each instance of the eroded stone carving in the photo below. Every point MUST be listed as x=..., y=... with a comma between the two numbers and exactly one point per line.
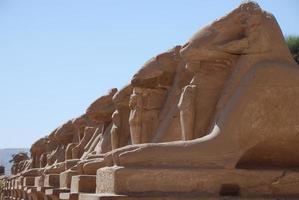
x=19, y=163
x=120, y=131
x=224, y=101
x=136, y=105
x=187, y=112
x=234, y=93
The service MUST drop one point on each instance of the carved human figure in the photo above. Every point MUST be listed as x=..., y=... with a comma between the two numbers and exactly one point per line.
x=120, y=131
x=187, y=112
x=161, y=80
x=153, y=102
x=145, y=106
x=135, y=120
x=209, y=78
x=115, y=130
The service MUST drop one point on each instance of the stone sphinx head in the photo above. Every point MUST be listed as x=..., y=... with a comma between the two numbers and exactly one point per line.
x=40, y=146
x=122, y=97
x=79, y=124
x=246, y=31
x=68, y=132
x=102, y=109
x=65, y=133
x=18, y=161
x=19, y=157
x=158, y=71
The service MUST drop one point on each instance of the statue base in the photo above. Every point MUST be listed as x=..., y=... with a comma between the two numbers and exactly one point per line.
x=141, y=182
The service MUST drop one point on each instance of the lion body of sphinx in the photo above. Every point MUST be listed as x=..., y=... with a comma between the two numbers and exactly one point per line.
x=247, y=103
x=243, y=130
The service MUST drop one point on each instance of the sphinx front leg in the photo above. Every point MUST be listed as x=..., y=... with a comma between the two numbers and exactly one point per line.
x=90, y=168
x=165, y=154
x=204, y=152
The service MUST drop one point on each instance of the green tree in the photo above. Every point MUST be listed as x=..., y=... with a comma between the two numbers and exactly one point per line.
x=293, y=44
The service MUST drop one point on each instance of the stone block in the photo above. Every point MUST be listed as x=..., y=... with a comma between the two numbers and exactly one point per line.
x=83, y=183
x=202, y=182
x=65, y=178
x=69, y=196
x=28, y=181
x=43, y=189
x=51, y=180
x=55, y=191
x=83, y=196
x=38, y=181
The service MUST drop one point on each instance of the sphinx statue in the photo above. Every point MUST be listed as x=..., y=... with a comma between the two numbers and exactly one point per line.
x=39, y=155
x=19, y=163
x=77, y=137
x=97, y=135
x=113, y=112
x=157, y=84
x=101, y=111
x=238, y=79
x=37, y=151
x=63, y=137
x=97, y=119
x=51, y=154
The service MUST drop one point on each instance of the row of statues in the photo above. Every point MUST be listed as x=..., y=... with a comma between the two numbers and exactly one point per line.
x=226, y=99
x=132, y=115
x=181, y=94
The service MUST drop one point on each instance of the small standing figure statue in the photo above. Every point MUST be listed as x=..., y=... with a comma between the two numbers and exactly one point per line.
x=115, y=130
x=186, y=106
x=135, y=120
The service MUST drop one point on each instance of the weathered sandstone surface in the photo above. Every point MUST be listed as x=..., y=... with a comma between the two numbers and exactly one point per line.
x=214, y=118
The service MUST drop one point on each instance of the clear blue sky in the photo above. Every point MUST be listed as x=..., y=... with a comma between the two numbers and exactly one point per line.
x=57, y=56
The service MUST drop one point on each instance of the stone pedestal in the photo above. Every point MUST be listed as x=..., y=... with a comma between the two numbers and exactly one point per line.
x=65, y=178
x=197, y=182
x=69, y=196
x=83, y=183
x=80, y=184
x=55, y=192
x=51, y=180
x=29, y=181
x=124, y=197
x=39, y=181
